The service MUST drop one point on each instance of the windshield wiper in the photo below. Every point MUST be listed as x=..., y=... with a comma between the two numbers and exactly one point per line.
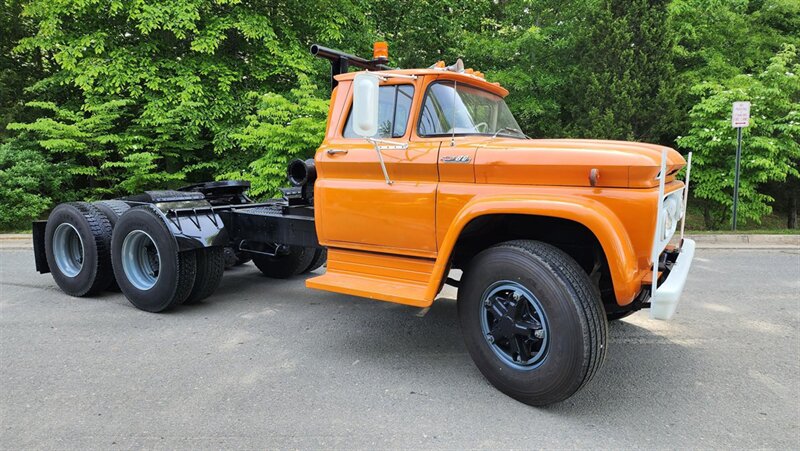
x=510, y=129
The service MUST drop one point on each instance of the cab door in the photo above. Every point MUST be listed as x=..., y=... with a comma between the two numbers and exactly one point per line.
x=356, y=208
x=457, y=152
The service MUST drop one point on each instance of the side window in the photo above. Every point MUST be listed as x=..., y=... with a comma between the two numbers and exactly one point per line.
x=394, y=109
x=437, y=111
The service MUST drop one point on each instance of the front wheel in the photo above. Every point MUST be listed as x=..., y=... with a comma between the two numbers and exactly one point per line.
x=532, y=322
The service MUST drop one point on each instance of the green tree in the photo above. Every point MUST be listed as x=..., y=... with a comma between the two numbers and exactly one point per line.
x=279, y=129
x=149, y=93
x=528, y=46
x=771, y=150
x=623, y=85
x=521, y=45
x=86, y=142
x=719, y=39
x=17, y=71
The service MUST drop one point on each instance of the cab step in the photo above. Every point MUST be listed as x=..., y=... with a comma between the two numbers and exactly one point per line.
x=403, y=280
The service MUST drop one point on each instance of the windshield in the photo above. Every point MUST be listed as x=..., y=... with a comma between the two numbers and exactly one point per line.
x=459, y=109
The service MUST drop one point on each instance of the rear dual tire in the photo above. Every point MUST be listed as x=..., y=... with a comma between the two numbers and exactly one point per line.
x=210, y=262
x=112, y=209
x=77, y=243
x=152, y=272
x=150, y=269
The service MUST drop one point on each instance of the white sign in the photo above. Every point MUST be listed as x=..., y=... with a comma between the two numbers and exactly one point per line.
x=741, y=114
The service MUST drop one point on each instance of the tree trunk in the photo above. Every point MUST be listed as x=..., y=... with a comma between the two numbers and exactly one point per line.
x=707, y=218
x=792, y=210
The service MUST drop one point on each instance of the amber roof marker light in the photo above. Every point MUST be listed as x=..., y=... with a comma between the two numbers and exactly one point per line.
x=380, y=51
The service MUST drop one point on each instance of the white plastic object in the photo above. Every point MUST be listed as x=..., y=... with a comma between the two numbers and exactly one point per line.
x=665, y=298
x=365, y=104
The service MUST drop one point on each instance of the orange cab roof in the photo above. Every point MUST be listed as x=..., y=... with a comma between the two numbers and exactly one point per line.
x=443, y=74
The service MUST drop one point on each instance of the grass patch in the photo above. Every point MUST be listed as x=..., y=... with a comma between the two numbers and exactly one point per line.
x=773, y=224
x=17, y=231
x=745, y=232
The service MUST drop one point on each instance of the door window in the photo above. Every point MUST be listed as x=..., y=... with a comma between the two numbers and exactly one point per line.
x=393, y=111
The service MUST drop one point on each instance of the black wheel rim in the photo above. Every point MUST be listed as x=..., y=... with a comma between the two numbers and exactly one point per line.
x=514, y=325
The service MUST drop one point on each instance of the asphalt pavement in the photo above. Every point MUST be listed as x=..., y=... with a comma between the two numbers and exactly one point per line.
x=271, y=364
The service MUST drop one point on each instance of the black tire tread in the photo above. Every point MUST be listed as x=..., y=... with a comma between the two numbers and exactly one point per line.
x=101, y=232
x=284, y=266
x=185, y=262
x=210, y=263
x=579, y=283
x=113, y=209
x=187, y=273
x=320, y=257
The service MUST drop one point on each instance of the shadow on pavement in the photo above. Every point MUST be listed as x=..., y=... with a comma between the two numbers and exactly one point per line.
x=639, y=361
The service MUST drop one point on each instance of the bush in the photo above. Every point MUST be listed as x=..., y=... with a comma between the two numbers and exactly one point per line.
x=26, y=178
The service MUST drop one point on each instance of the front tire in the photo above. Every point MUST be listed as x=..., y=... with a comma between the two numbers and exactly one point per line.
x=532, y=321
x=149, y=268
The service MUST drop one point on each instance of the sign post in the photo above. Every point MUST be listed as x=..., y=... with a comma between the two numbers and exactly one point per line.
x=739, y=119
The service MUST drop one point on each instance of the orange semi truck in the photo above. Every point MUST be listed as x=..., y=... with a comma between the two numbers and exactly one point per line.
x=421, y=172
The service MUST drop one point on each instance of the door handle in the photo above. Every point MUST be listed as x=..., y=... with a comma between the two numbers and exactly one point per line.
x=336, y=151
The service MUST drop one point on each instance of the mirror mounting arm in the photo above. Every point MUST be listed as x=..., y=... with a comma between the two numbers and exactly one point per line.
x=387, y=75
x=391, y=145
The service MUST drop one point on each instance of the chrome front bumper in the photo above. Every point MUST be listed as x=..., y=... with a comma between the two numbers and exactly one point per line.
x=664, y=300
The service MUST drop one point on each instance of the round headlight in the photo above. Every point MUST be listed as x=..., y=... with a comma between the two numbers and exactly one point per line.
x=671, y=214
x=672, y=207
x=669, y=222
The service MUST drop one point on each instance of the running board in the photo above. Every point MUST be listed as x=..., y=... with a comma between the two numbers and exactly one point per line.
x=391, y=278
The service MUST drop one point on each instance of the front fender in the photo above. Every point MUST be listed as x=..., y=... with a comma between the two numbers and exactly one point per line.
x=599, y=219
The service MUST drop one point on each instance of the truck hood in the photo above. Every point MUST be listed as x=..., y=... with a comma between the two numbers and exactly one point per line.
x=569, y=162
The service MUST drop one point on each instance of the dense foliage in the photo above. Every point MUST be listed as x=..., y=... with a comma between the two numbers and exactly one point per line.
x=101, y=98
x=773, y=138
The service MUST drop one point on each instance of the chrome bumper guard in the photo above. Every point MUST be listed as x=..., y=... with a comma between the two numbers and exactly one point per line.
x=664, y=298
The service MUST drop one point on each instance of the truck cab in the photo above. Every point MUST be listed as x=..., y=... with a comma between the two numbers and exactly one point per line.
x=460, y=177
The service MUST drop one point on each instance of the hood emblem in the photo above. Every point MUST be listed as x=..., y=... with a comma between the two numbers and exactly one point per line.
x=456, y=159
